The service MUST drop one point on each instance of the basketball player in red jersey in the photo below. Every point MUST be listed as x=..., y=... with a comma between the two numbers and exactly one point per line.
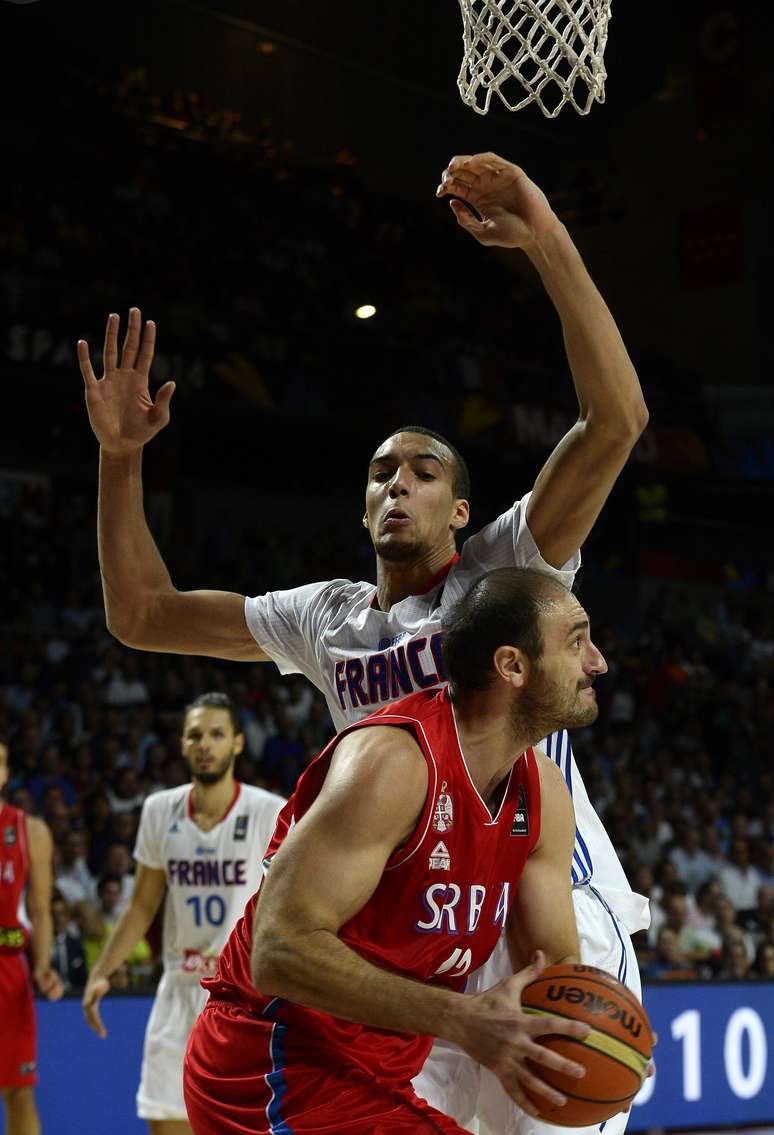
x=25, y=864
x=411, y=841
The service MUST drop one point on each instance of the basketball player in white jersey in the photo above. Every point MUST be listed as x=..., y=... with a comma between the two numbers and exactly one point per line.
x=202, y=846
x=364, y=644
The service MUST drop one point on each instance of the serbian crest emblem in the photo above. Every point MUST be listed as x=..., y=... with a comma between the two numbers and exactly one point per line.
x=443, y=813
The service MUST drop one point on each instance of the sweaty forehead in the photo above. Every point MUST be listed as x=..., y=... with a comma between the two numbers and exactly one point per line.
x=405, y=446
x=564, y=612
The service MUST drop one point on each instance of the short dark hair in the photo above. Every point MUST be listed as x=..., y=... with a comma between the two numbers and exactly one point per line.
x=215, y=700
x=502, y=608
x=461, y=482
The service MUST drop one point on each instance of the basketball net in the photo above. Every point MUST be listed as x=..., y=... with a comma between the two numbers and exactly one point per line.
x=549, y=52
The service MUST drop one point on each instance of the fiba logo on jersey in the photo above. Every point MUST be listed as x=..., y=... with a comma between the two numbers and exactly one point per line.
x=9, y=836
x=521, y=819
x=443, y=813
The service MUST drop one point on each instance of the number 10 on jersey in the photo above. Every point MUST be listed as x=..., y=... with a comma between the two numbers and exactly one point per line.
x=211, y=910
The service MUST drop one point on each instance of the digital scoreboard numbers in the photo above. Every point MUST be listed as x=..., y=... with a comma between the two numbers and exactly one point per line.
x=714, y=1057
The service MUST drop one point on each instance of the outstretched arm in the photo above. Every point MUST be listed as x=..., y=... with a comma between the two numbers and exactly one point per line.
x=142, y=606
x=324, y=873
x=577, y=478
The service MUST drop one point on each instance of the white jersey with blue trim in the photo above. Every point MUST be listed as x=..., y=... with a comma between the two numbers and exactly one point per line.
x=362, y=658
x=210, y=875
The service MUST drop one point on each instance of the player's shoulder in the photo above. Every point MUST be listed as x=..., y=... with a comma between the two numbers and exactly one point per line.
x=345, y=594
x=166, y=800
x=552, y=782
x=38, y=831
x=257, y=799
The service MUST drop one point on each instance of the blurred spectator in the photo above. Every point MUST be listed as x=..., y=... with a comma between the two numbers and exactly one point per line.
x=284, y=757
x=52, y=775
x=120, y=865
x=739, y=879
x=125, y=794
x=123, y=686
x=67, y=955
x=693, y=865
x=97, y=920
x=764, y=961
x=670, y=963
x=73, y=880
x=735, y=963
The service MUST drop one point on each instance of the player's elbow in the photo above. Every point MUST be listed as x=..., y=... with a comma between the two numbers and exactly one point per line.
x=270, y=960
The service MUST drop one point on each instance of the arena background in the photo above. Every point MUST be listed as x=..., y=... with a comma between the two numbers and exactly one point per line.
x=248, y=174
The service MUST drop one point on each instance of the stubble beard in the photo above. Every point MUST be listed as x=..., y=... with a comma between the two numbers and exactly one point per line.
x=214, y=776
x=544, y=708
x=397, y=552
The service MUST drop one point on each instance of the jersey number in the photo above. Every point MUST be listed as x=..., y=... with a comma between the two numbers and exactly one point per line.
x=213, y=908
x=457, y=964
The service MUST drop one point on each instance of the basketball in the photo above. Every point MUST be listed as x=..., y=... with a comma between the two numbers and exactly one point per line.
x=615, y=1054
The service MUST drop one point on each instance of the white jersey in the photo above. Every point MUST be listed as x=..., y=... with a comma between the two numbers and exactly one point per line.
x=210, y=875
x=362, y=658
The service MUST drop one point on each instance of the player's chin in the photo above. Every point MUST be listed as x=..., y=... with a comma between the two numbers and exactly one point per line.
x=585, y=714
x=394, y=548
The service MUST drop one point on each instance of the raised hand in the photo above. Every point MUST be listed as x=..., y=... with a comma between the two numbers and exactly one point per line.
x=514, y=212
x=122, y=413
x=500, y=1035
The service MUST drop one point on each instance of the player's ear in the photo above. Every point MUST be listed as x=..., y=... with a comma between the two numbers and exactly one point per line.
x=239, y=743
x=512, y=665
x=460, y=516
x=365, y=519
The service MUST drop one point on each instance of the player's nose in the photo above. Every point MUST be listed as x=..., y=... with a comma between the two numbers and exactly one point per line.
x=398, y=485
x=598, y=664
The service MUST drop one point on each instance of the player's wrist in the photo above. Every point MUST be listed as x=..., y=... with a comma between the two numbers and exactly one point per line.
x=456, y=1019
x=553, y=249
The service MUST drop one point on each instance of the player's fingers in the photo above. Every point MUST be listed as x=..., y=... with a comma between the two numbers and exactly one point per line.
x=466, y=219
x=84, y=362
x=110, y=350
x=132, y=340
x=459, y=160
x=521, y=1099
x=93, y=1018
x=147, y=347
x=539, y=1087
x=539, y=1054
x=450, y=183
x=557, y=1026
x=160, y=411
x=538, y=963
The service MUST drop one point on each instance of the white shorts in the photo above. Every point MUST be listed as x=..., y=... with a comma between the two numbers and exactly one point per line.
x=473, y=1095
x=179, y=1001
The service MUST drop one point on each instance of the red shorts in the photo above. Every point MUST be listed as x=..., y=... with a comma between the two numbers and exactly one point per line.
x=241, y=1077
x=17, y=1023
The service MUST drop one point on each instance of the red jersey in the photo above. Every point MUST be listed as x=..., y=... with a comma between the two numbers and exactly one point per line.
x=443, y=898
x=14, y=867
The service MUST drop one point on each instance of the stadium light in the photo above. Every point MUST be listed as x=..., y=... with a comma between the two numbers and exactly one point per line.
x=365, y=311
